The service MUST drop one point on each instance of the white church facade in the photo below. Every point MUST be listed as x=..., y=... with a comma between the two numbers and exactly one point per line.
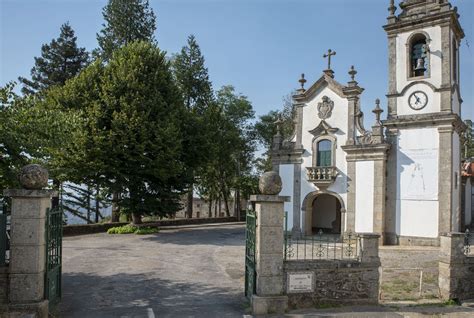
x=402, y=178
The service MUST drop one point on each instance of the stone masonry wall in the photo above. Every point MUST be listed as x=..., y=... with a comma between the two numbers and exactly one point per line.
x=3, y=285
x=337, y=282
x=456, y=270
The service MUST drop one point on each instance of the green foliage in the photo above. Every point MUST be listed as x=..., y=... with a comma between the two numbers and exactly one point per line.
x=231, y=151
x=126, y=229
x=126, y=21
x=131, y=141
x=266, y=128
x=132, y=229
x=144, y=230
x=60, y=60
x=31, y=131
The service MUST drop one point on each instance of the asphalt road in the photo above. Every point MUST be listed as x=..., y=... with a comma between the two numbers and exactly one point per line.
x=192, y=272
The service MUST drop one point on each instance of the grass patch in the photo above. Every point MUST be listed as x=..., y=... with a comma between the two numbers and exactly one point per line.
x=132, y=229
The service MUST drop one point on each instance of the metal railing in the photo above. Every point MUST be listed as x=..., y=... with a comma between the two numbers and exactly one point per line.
x=321, y=246
x=321, y=173
x=468, y=240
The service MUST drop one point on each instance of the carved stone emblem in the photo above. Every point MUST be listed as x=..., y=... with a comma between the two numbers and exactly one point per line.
x=325, y=108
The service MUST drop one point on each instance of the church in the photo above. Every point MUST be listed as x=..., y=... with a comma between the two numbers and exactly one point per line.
x=402, y=177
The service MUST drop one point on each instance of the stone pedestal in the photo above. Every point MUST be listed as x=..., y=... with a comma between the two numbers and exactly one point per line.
x=28, y=250
x=456, y=270
x=270, y=213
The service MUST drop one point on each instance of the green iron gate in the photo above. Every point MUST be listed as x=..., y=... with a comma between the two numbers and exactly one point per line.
x=250, y=274
x=54, y=236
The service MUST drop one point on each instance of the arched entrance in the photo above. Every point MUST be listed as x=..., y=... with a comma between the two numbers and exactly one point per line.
x=326, y=214
x=324, y=210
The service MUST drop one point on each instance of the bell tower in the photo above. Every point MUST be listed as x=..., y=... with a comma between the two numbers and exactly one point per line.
x=423, y=123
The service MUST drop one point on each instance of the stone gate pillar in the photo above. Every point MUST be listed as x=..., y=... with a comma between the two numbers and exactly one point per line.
x=269, y=209
x=28, y=243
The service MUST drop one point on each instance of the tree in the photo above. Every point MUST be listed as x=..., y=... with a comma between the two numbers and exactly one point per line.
x=126, y=21
x=60, y=60
x=231, y=151
x=31, y=131
x=266, y=128
x=132, y=141
x=193, y=82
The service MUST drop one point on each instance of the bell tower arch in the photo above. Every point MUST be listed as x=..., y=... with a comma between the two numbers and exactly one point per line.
x=423, y=122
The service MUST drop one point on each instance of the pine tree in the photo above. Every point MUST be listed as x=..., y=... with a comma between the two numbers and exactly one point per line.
x=60, y=60
x=125, y=21
x=196, y=89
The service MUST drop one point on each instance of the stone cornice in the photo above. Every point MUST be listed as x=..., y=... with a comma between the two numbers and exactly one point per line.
x=405, y=24
x=366, y=152
x=432, y=119
x=335, y=86
x=287, y=156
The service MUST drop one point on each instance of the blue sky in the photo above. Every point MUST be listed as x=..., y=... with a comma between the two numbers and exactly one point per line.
x=260, y=47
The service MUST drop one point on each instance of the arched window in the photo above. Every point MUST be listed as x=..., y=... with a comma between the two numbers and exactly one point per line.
x=324, y=153
x=418, y=50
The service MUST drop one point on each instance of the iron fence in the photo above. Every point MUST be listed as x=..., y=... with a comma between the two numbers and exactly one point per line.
x=468, y=240
x=322, y=246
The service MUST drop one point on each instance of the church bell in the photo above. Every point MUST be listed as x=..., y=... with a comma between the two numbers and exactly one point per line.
x=420, y=65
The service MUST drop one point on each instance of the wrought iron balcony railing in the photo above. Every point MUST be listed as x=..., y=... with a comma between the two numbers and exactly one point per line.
x=321, y=175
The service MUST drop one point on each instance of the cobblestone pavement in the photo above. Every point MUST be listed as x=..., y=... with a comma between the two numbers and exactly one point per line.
x=192, y=272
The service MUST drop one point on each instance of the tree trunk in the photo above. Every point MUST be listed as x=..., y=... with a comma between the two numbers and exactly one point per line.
x=115, y=207
x=226, y=203
x=210, y=208
x=136, y=218
x=57, y=187
x=97, y=203
x=220, y=206
x=88, y=204
x=189, y=202
x=215, y=207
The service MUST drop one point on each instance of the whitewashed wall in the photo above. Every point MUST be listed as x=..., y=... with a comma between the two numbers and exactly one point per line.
x=286, y=174
x=338, y=119
x=417, y=182
x=364, y=209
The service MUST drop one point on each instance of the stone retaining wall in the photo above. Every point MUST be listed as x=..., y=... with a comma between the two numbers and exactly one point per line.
x=81, y=229
x=3, y=285
x=336, y=282
x=456, y=270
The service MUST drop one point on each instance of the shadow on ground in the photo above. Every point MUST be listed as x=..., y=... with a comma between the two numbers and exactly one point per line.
x=231, y=236
x=136, y=295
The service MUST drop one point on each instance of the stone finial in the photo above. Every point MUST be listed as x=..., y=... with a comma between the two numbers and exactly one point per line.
x=377, y=111
x=278, y=122
x=33, y=177
x=392, y=8
x=302, y=81
x=352, y=72
x=270, y=183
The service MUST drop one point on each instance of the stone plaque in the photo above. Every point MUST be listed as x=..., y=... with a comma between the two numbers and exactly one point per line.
x=300, y=282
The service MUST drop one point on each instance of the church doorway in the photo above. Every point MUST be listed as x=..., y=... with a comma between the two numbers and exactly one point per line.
x=326, y=214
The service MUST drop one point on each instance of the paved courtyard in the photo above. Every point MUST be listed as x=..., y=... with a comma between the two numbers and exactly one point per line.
x=192, y=272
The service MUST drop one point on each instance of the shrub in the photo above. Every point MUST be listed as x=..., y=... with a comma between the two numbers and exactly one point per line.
x=126, y=229
x=129, y=229
x=146, y=230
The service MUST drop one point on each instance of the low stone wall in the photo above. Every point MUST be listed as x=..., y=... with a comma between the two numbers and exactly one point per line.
x=81, y=229
x=336, y=282
x=3, y=285
x=456, y=270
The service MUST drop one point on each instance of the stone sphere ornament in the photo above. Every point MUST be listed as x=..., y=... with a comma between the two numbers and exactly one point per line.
x=33, y=177
x=270, y=183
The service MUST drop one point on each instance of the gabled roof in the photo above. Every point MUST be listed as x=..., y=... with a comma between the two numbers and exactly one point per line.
x=325, y=79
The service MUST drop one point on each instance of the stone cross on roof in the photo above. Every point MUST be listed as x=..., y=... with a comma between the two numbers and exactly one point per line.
x=328, y=55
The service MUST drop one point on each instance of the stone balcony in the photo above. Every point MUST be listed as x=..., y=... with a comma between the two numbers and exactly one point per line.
x=321, y=176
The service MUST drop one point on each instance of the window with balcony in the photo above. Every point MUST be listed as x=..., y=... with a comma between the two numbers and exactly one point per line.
x=324, y=153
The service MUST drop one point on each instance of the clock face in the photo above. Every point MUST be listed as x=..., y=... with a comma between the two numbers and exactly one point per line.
x=418, y=100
